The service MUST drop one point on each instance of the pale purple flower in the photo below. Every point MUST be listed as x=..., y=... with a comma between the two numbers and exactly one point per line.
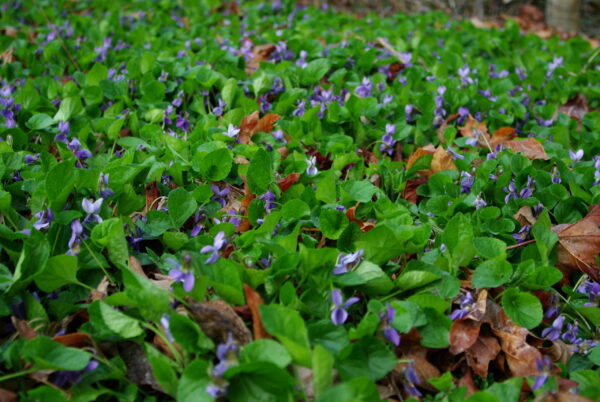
x=592, y=290
x=576, y=156
x=455, y=155
x=232, y=131
x=269, y=199
x=63, y=127
x=301, y=62
x=220, y=194
x=544, y=367
x=29, y=159
x=300, y=109
x=479, y=202
x=347, y=262
x=412, y=380
x=466, y=182
x=218, y=243
x=406, y=58
x=512, y=192
x=76, y=237
x=522, y=234
x=44, y=217
x=408, y=111
x=103, y=189
x=185, y=276
x=92, y=208
x=164, y=322
x=339, y=315
x=311, y=169
x=463, y=73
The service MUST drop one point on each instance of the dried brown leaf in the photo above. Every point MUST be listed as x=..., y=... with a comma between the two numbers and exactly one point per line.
x=288, y=181
x=266, y=123
x=23, y=328
x=463, y=334
x=530, y=147
x=484, y=350
x=254, y=300
x=525, y=216
x=442, y=160
x=473, y=128
x=467, y=381
x=444, y=125
x=217, y=319
x=580, y=244
x=410, y=190
x=429, y=149
x=74, y=340
x=8, y=396
x=502, y=135
x=259, y=53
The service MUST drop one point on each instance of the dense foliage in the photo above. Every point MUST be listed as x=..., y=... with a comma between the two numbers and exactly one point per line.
x=261, y=202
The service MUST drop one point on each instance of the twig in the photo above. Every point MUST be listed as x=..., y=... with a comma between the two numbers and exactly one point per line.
x=389, y=47
x=520, y=244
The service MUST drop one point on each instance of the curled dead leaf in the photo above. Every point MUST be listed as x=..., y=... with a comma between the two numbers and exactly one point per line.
x=351, y=215
x=530, y=147
x=429, y=149
x=288, y=181
x=74, y=340
x=254, y=300
x=484, y=350
x=259, y=53
x=442, y=160
x=525, y=216
x=579, y=244
x=217, y=319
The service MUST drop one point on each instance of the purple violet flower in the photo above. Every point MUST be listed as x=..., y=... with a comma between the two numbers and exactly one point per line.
x=365, y=89
x=412, y=380
x=311, y=169
x=466, y=303
x=218, y=243
x=220, y=194
x=553, y=332
x=164, y=322
x=339, y=315
x=44, y=217
x=185, y=275
x=544, y=367
x=479, y=202
x=466, y=182
x=347, y=261
x=76, y=237
x=389, y=332
x=576, y=156
x=269, y=199
x=92, y=208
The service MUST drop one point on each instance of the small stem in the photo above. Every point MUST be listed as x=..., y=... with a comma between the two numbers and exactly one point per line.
x=523, y=243
x=18, y=374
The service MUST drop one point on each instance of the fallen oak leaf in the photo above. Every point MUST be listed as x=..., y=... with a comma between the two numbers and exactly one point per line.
x=266, y=123
x=530, y=147
x=484, y=350
x=247, y=127
x=442, y=160
x=502, y=135
x=579, y=244
x=429, y=149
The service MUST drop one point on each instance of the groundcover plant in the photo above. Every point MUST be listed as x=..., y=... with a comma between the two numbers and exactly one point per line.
x=259, y=202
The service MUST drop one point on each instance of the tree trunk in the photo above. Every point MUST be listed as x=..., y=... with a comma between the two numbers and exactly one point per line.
x=563, y=15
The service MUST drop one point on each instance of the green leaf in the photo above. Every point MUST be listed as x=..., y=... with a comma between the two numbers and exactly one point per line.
x=542, y=278
x=332, y=223
x=225, y=278
x=361, y=191
x=260, y=172
x=50, y=355
x=39, y=121
x=322, y=366
x=59, y=184
x=60, y=270
x=69, y=107
x=458, y=237
x=327, y=187
x=162, y=368
x=380, y=244
x=193, y=382
x=181, y=206
x=259, y=381
x=112, y=324
x=435, y=334
x=442, y=383
x=368, y=357
x=295, y=209
x=488, y=247
x=288, y=326
x=359, y=389
x=188, y=334
x=314, y=71
x=492, y=273
x=228, y=92
x=266, y=350
x=215, y=165
x=109, y=234
x=153, y=92
x=375, y=281
x=151, y=299
x=32, y=260
x=415, y=279
x=523, y=308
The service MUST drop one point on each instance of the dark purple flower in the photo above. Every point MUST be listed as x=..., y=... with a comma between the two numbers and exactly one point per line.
x=522, y=234
x=220, y=194
x=463, y=114
x=103, y=189
x=511, y=190
x=466, y=303
x=570, y=335
x=269, y=199
x=182, y=123
x=365, y=88
x=339, y=315
x=389, y=332
x=32, y=158
x=479, y=202
x=466, y=182
x=347, y=262
x=553, y=332
x=544, y=367
x=218, y=243
x=411, y=380
x=556, y=178
x=92, y=208
x=300, y=109
x=61, y=378
x=63, y=127
x=592, y=290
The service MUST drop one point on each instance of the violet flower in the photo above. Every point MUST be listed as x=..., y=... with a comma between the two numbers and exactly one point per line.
x=455, y=155
x=463, y=73
x=218, y=243
x=466, y=182
x=511, y=190
x=269, y=199
x=347, y=261
x=389, y=332
x=576, y=156
x=412, y=380
x=522, y=234
x=463, y=115
x=232, y=131
x=479, y=202
x=466, y=303
x=553, y=332
x=183, y=273
x=227, y=353
x=44, y=217
x=570, y=335
x=300, y=109
x=218, y=110
x=76, y=237
x=365, y=89
x=164, y=322
x=220, y=194
x=92, y=208
x=29, y=159
x=408, y=111
x=339, y=315
x=311, y=169
x=301, y=62
x=592, y=290
x=544, y=367
x=103, y=189
x=387, y=140
x=61, y=378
